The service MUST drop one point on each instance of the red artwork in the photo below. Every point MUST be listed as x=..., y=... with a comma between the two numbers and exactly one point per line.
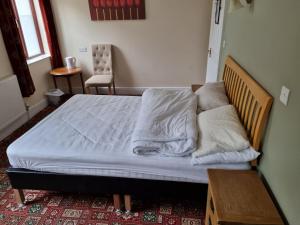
x=117, y=9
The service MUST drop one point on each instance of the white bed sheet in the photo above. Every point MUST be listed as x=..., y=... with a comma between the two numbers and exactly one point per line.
x=90, y=135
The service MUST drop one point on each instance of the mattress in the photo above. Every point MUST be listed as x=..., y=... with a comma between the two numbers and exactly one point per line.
x=91, y=135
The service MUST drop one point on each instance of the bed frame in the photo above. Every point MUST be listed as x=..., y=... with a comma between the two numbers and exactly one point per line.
x=253, y=104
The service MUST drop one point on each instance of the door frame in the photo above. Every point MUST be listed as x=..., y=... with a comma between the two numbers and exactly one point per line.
x=220, y=45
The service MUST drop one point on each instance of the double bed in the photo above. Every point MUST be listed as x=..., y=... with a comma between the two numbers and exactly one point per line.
x=84, y=146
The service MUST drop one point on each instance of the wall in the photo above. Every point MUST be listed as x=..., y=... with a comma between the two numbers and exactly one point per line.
x=40, y=75
x=169, y=48
x=265, y=41
x=5, y=67
x=39, y=72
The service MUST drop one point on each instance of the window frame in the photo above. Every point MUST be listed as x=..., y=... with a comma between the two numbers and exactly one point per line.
x=37, y=30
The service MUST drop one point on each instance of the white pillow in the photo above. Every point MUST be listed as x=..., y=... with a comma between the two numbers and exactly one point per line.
x=227, y=157
x=211, y=95
x=220, y=130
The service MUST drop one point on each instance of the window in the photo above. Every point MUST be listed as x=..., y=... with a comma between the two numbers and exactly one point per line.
x=28, y=28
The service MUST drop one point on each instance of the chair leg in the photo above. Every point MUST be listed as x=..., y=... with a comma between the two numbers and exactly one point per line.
x=127, y=200
x=117, y=202
x=109, y=89
x=19, y=196
x=114, y=86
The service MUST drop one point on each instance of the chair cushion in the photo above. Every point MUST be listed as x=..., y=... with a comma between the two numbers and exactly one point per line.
x=98, y=80
x=102, y=59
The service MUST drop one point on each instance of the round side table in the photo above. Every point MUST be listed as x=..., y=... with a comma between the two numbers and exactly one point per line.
x=67, y=73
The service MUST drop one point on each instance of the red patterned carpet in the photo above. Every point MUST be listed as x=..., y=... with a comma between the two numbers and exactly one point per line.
x=51, y=208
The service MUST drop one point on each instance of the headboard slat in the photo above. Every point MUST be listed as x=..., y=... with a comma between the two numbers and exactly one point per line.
x=251, y=114
x=251, y=101
x=255, y=120
x=242, y=97
x=245, y=103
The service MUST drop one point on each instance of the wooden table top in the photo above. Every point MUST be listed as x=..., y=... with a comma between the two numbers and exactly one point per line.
x=64, y=71
x=241, y=197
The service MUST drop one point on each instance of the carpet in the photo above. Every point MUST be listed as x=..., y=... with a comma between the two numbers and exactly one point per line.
x=51, y=208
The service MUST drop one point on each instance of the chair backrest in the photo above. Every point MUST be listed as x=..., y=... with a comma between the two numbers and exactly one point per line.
x=102, y=59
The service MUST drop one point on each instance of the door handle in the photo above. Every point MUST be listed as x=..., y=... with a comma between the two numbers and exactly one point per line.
x=209, y=52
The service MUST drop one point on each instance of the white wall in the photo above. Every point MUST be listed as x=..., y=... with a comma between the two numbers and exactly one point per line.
x=40, y=74
x=169, y=48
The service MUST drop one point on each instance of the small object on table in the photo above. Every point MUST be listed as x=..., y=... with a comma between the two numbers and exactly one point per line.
x=239, y=197
x=67, y=73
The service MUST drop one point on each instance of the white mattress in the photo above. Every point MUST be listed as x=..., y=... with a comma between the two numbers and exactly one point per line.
x=90, y=135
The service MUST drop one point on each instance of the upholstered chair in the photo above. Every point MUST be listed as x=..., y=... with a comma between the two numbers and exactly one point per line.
x=103, y=70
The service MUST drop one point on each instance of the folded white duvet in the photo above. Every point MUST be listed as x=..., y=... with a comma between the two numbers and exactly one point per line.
x=166, y=124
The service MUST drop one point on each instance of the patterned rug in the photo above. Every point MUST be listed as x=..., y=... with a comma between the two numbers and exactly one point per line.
x=51, y=208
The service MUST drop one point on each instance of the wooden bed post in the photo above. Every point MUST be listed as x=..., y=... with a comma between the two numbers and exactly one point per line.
x=127, y=199
x=117, y=202
x=19, y=196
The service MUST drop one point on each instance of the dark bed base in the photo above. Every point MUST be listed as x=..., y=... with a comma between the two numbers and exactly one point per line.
x=28, y=179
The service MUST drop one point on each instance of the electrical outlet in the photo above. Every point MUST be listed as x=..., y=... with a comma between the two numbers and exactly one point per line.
x=84, y=49
x=284, y=96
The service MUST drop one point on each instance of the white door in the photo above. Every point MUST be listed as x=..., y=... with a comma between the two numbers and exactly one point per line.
x=215, y=39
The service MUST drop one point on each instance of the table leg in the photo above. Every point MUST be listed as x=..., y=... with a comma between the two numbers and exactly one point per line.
x=82, y=83
x=70, y=85
x=109, y=90
x=54, y=81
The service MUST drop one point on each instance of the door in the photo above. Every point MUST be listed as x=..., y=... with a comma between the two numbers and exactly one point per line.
x=215, y=39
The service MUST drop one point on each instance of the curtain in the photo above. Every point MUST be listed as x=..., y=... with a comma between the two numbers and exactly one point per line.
x=48, y=18
x=13, y=44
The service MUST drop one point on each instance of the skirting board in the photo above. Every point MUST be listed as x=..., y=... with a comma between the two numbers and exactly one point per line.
x=22, y=119
x=125, y=90
x=13, y=126
x=35, y=109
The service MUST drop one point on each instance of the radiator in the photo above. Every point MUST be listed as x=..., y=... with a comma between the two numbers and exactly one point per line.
x=12, y=106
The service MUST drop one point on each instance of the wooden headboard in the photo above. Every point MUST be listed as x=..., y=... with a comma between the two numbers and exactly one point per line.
x=252, y=102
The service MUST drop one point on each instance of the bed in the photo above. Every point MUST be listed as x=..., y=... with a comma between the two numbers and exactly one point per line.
x=65, y=156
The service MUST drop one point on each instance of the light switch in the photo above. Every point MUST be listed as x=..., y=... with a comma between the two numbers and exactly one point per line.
x=84, y=49
x=284, y=96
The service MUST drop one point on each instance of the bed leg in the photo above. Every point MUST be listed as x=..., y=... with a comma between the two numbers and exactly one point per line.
x=127, y=199
x=117, y=203
x=19, y=196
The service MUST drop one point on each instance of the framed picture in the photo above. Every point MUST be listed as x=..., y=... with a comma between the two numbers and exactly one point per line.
x=117, y=9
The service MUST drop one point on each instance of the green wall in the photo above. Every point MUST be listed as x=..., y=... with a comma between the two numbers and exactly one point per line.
x=265, y=40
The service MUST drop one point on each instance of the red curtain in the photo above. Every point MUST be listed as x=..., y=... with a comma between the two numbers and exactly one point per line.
x=49, y=23
x=13, y=44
